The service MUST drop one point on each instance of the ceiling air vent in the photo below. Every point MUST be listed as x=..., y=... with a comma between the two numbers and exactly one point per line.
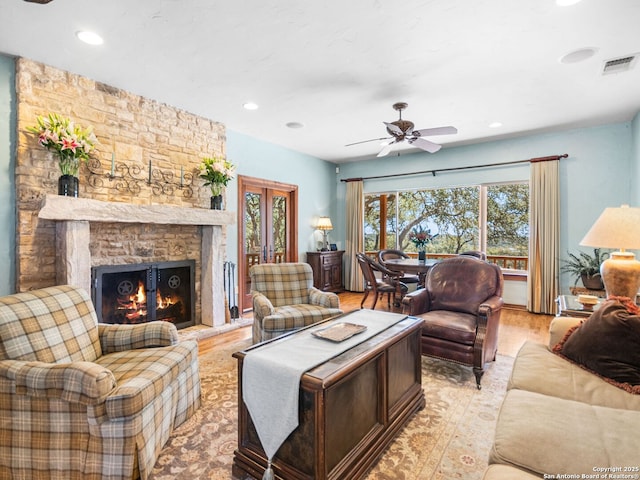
x=617, y=65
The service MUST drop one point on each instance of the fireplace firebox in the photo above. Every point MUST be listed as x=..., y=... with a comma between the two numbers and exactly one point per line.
x=144, y=292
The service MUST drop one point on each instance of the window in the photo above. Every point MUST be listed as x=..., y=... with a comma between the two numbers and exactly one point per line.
x=492, y=218
x=379, y=221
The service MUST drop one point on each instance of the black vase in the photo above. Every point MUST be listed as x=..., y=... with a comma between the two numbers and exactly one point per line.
x=422, y=255
x=216, y=202
x=68, y=185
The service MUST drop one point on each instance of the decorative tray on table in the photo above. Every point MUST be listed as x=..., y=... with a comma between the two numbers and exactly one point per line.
x=339, y=331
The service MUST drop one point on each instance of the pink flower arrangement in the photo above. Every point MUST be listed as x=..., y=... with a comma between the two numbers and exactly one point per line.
x=69, y=141
x=420, y=237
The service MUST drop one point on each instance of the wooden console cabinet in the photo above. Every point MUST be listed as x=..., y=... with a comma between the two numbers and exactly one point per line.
x=351, y=408
x=327, y=270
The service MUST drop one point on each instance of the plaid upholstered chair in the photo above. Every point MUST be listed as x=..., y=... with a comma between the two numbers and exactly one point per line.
x=82, y=400
x=284, y=299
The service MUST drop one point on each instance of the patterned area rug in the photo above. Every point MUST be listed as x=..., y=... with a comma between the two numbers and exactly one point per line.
x=449, y=439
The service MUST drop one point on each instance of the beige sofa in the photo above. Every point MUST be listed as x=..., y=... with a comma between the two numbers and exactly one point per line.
x=560, y=421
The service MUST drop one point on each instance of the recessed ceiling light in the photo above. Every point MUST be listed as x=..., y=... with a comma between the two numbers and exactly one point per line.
x=250, y=106
x=90, y=37
x=566, y=3
x=578, y=55
x=294, y=125
x=495, y=125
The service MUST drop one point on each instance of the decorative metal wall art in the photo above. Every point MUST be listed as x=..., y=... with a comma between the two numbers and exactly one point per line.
x=132, y=178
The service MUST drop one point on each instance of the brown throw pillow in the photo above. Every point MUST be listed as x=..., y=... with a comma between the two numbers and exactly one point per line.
x=607, y=344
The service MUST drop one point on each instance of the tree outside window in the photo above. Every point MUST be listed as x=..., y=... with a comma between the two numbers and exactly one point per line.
x=455, y=215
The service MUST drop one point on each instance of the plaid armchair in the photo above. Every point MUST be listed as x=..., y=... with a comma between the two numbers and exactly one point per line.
x=82, y=400
x=284, y=299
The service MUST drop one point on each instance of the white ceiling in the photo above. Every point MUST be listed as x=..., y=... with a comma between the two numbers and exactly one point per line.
x=337, y=66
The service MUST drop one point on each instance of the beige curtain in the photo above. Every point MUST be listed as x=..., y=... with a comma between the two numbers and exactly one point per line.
x=355, y=236
x=544, y=221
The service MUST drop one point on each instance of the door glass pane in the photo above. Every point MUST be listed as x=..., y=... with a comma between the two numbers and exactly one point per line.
x=252, y=229
x=279, y=225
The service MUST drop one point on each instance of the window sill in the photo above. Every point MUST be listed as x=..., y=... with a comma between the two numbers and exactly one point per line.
x=515, y=275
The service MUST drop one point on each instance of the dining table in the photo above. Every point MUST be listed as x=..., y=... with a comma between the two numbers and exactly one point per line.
x=411, y=265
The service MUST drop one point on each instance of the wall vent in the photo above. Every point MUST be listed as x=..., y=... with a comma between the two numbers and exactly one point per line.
x=617, y=65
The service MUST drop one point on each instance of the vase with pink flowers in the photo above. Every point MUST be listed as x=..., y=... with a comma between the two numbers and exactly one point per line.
x=70, y=143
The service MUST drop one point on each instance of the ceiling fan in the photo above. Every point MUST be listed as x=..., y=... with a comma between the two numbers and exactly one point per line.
x=402, y=130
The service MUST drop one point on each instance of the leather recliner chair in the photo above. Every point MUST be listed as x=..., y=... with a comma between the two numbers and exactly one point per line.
x=461, y=304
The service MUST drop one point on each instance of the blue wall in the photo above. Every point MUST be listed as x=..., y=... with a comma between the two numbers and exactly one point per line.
x=7, y=182
x=315, y=178
x=635, y=160
x=589, y=181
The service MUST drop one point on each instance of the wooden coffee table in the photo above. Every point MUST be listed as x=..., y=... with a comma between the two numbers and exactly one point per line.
x=351, y=408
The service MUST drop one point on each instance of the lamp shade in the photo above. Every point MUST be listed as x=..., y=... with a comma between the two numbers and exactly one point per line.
x=324, y=223
x=617, y=227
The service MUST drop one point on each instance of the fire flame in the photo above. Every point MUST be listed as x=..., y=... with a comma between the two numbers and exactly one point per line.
x=135, y=305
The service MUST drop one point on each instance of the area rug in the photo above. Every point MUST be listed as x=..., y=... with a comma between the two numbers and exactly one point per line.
x=448, y=439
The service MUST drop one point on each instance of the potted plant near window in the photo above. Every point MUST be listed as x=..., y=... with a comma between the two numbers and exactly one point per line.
x=586, y=267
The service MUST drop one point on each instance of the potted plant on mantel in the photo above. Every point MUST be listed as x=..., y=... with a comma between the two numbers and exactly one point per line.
x=217, y=172
x=71, y=144
x=586, y=267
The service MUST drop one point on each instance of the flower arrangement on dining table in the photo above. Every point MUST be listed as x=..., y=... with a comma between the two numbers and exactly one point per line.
x=68, y=140
x=421, y=237
x=217, y=172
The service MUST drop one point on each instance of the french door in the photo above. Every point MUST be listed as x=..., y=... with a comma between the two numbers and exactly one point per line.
x=267, y=216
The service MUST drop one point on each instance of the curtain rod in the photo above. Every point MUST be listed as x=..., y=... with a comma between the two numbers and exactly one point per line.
x=433, y=172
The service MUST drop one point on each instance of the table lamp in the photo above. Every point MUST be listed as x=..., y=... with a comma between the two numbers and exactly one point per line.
x=618, y=228
x=324, y=224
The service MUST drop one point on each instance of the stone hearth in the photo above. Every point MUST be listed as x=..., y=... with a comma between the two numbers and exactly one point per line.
x=73, y=217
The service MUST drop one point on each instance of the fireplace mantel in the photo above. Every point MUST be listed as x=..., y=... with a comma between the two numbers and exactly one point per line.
x=74, y=215
x=58, y=207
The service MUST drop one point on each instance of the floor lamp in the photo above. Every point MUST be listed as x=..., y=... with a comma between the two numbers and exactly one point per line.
x=324, y=224
x=618, y=228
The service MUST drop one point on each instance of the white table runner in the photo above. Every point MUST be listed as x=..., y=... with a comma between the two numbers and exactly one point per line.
x=271, y=373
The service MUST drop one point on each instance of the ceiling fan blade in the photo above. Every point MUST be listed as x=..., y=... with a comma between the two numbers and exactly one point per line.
x=394, y=128
x=386, y=149
x=434, y=131
x=366, y=141
x=425, y=144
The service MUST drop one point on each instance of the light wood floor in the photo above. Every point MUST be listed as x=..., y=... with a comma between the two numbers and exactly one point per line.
x=516, y=326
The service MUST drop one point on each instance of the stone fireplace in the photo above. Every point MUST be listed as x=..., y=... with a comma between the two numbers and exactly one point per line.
x=74, y=218
x=141, y=200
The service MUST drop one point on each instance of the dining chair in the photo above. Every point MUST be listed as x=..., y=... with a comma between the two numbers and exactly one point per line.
x=387, y=254
x=389, y=281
